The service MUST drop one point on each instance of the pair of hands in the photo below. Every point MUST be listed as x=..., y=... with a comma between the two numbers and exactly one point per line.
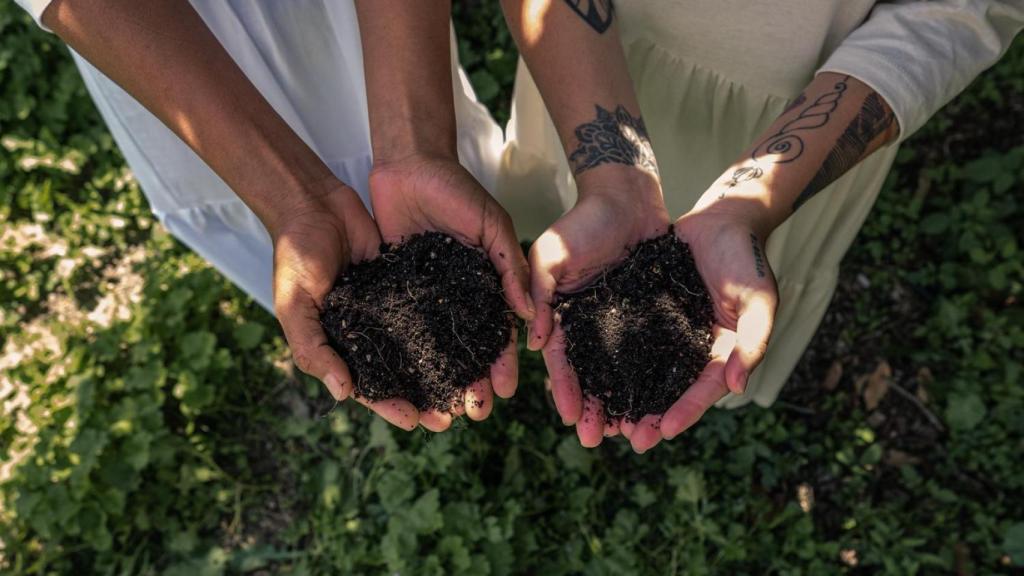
x=420, y=194
x=726, y=239
x=332, y=228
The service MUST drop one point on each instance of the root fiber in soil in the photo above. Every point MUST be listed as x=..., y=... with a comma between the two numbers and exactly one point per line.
x=640, y=334
x=422, y=321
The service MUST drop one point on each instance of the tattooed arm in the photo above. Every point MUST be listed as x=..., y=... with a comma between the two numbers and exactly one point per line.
x=574, y=54
x=834, y=124
x=829, y=128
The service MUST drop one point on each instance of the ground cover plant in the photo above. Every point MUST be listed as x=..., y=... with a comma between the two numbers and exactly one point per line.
x=639, y=335
x=151, y=423
x=422, y=321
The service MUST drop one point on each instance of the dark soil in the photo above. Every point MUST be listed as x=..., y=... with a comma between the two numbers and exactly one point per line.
x=422, y=322
x=641, y=334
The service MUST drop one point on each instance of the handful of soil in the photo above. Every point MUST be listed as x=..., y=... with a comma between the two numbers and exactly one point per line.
x=422, y=322
x=639, y=336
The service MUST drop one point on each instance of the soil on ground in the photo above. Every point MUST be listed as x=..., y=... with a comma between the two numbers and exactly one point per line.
x=422, y=322
x=640, y=334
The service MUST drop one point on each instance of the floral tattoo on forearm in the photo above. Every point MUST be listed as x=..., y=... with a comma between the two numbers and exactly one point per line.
x=613, y=137
x=598, y=14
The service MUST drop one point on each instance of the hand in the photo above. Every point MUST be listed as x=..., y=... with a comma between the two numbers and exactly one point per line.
x=726, y=237
x=313, y=242
x=420, y=194
x=594, y=235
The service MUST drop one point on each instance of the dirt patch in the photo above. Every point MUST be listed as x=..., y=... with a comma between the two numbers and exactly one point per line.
x=640, y=335
x=422, y=322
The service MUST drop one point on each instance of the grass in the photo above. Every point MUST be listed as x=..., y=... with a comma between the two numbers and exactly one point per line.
x=151, y=423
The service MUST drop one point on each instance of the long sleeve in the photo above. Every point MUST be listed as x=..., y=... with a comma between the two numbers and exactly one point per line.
x=35, y=8
x=918, y=54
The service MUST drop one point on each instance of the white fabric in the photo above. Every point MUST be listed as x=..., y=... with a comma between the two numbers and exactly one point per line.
x=710, y=75
x=35, y=8
x=919, y=55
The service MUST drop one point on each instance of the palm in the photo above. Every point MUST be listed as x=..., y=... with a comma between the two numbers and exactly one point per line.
x=731, y=260
x=311, y=247
x=597, y=233
x=439, y=195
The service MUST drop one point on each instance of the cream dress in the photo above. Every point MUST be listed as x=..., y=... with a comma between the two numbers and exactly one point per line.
x=710, y=76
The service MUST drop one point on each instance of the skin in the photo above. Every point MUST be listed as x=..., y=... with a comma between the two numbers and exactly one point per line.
x=618, y=204
x=577, y=62
x=162, y=53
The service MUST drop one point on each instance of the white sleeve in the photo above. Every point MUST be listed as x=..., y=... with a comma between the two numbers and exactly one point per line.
x=919, y=54
x=35, y=8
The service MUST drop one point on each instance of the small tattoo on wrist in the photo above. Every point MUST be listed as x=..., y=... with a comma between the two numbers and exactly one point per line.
x=744, y=174
x=759, y=266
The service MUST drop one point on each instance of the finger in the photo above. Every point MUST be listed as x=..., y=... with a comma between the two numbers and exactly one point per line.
x=611, y=427
x=565, y=388
x=543, y=255
x=479, y=399
x=507, y=256
x=590, y=428
x=627, y=427
x=395, y=411
x=505, y=371
x=753, y=328
x=647, y=433
x=300, y=320
x=706, y=390
x=435, y=420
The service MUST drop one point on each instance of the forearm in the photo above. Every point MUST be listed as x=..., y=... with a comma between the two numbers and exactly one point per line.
x=827, y=130
x=573, y=51
x=407, y=62
x=163, y=54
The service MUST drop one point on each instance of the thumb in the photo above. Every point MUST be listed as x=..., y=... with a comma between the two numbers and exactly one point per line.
x=542, y=287
x=753, y=328
x=507, y=256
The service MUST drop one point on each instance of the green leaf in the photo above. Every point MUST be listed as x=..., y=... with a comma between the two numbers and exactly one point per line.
x=1013, y=543
x=574, y=456
x=248, y=335
x=935, y=223
x=688, y=482
x=965, y=411
x=424, y=516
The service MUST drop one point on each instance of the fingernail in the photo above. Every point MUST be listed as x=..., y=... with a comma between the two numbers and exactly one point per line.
x=334, y=386
x=743, y=382
x=530, y=307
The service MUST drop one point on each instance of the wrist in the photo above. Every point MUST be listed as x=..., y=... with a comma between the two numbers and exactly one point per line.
x=408, y=137
x=752, y=200
x=300, y=197
x=619, y=181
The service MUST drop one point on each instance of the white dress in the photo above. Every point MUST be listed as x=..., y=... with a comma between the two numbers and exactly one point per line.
x=710, y=76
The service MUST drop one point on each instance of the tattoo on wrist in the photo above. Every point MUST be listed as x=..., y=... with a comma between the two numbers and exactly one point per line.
x=758, y=256
x=748, y=173
x=873, y=120
x=613, y=137
x=786, y=145
x=598, y=14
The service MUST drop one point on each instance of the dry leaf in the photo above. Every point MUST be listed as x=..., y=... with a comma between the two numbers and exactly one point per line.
x=832, y=377
x=805, y=496
x=924, y=377
x=897, y=458
x=877, y=385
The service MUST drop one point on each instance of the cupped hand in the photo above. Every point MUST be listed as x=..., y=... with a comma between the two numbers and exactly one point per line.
x=728, y=247
x=422, y=194
x=313, y=242
x=596, y=234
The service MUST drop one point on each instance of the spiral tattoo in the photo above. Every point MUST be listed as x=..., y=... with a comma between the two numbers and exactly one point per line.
x=786, y=145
